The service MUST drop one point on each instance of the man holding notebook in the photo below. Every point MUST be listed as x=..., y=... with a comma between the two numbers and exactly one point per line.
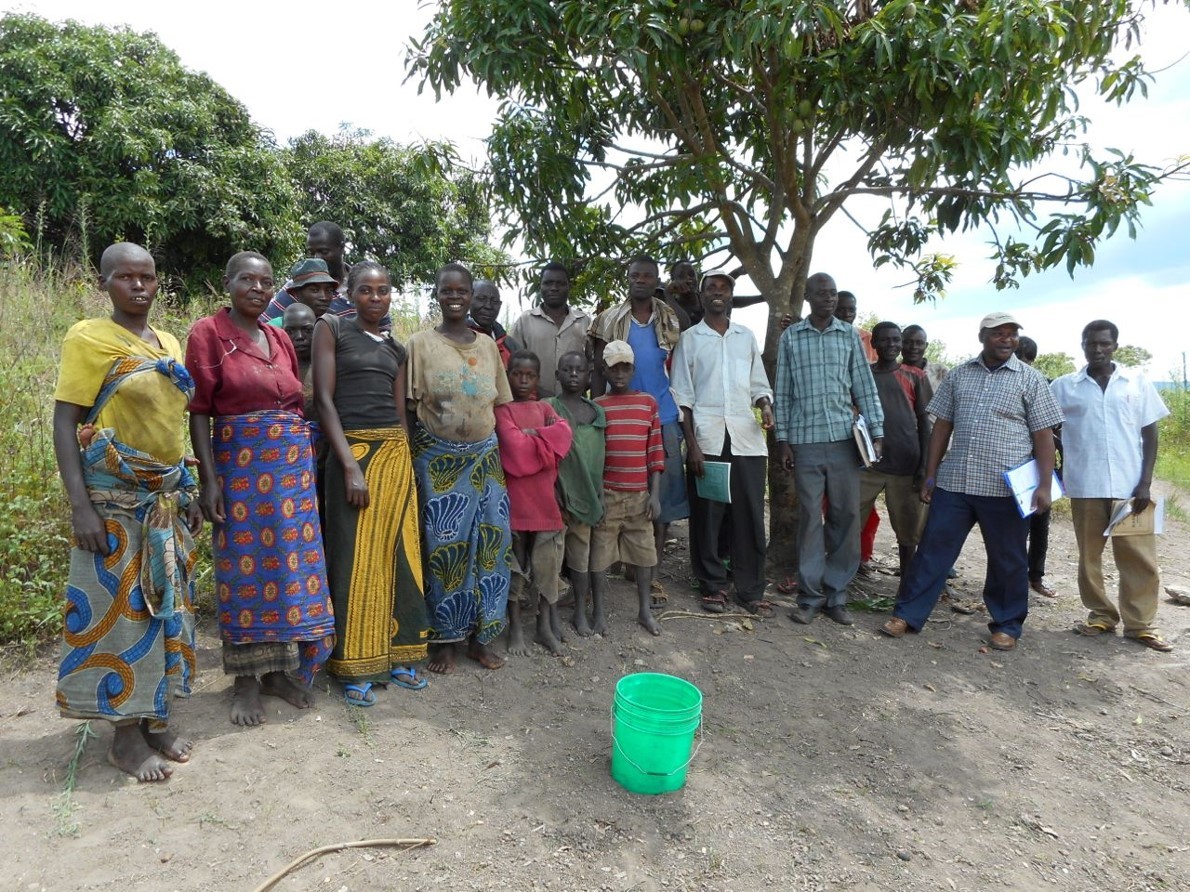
x=717, y=379
x=994, y=413
x=1109, y=448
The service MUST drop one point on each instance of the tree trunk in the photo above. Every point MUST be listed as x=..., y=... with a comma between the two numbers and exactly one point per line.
x=787, y=298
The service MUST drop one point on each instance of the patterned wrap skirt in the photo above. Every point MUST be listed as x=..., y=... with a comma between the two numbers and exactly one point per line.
x=374, y=560
x=128, y=624
x=270, y=569
x=465, y=521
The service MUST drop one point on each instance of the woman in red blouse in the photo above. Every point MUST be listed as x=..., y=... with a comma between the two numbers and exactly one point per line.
x=256, y=478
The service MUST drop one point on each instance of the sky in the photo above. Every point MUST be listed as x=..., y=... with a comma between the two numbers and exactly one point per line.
x=254, y=51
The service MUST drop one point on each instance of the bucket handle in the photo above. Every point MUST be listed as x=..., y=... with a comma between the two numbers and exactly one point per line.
x=612, y=730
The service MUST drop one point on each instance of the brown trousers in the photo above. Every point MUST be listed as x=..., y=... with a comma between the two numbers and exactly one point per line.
x=1136, y=566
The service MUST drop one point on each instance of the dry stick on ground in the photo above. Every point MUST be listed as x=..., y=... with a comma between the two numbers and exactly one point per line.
x=339, y=846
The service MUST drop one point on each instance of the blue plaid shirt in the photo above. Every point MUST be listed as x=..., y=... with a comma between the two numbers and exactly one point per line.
x=820, y=375
x=995, y=413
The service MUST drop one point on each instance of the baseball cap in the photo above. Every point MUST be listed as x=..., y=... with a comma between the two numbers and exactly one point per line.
x=618, y=351
x=716, y=273
x=995, y=320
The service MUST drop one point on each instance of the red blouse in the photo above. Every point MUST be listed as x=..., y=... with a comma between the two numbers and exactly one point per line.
x=231, y=375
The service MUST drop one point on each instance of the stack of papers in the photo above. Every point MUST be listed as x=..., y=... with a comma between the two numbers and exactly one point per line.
x=1023, y=481
x=1125, y=522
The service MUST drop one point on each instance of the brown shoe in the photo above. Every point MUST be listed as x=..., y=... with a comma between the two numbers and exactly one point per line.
x=895, y=627
x=1002, y=641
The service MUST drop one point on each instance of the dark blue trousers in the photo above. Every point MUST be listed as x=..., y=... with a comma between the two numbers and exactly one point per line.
x=1006, y=585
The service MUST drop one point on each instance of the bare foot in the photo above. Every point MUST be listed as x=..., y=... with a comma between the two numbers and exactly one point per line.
x=516, y=642
x=246, y=708
x=278, y=684
x=545, y=636
x=442, y=659
x=483, y=655
x=169, y=744
x=581, y=624
x=556, y=625
x=132, y=755
x=599, y=624
x=645, y=618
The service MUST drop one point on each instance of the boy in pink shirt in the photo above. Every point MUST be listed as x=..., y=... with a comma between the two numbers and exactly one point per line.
x=533, y=440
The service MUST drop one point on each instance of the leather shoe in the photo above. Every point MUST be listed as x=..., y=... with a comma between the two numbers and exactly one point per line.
x=895, y=627
x=1002, y=641
x=803, y=615
x=839, y=614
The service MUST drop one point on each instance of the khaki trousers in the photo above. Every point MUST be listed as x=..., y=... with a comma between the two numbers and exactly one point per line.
x=1136, y=566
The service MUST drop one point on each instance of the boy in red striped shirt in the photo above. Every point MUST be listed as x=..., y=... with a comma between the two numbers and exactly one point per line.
x=635, y=459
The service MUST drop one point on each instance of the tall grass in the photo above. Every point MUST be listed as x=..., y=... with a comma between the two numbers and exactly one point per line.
x=1173, y=453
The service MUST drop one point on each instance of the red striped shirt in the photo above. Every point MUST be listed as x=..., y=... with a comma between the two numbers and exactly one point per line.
x=634, y=445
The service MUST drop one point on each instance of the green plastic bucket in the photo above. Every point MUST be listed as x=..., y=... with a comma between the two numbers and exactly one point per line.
x=654, y=721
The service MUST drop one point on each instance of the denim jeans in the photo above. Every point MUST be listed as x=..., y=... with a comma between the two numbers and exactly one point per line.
x=1006, y=585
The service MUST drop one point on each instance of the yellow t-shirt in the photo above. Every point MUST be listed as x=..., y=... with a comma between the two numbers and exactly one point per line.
x=147, y=410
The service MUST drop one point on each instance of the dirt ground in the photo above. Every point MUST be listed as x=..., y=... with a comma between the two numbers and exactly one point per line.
x=832, y=759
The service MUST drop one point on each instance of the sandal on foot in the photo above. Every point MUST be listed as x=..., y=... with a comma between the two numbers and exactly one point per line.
x=788, y=585
x=658, y=599
x=760, y=608
x=1091, y=630
x=359, y=694
x=407, y=677
x=714, y=602
x=1152, y=641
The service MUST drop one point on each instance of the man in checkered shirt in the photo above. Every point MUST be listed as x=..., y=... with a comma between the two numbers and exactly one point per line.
x=995, y=413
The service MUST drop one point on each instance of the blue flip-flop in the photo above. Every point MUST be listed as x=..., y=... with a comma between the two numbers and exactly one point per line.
x=407, y=677
x=359, y=694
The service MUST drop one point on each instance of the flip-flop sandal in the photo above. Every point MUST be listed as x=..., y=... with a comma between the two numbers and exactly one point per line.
x=407, y=677
x=714, y=602
x=1153, y=642
x=788, y=585
x=658, y=599
x=1091, y=630
x=359, y=694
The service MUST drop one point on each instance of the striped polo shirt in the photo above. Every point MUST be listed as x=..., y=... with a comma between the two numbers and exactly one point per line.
x=634, y=445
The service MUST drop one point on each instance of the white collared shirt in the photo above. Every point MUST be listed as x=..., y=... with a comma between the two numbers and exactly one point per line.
x=1101, y=446
x=720, y=378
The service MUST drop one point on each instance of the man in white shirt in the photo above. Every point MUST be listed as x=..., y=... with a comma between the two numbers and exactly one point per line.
x=717, y=377
x=1109, y=448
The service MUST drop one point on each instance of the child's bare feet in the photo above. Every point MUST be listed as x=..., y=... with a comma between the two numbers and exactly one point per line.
x=581, y=624
x=132, y=755
x=166, y=742
x=645, y=618
x=246, y=708
x=599, y=623
x=516, y=641
x=545, y=635
x=442, y=659
x=483, y=655
x=556, y=624
x=278, y=684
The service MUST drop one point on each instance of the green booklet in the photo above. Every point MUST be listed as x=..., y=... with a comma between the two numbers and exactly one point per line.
x=715, y=482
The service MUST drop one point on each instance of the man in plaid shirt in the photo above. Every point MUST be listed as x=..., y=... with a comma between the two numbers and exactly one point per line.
x=822, y=371
x=995, y=413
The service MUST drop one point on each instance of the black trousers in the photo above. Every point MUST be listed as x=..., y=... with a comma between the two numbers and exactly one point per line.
x=745, y=516
x=1039, y=544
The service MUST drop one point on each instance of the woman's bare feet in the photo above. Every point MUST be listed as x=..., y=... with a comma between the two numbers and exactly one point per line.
x=442, y=659
x=132, y=755
x=166, y=742
x=556, y=624
x=483, y=655
x=246, y=708
x=278, y=684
